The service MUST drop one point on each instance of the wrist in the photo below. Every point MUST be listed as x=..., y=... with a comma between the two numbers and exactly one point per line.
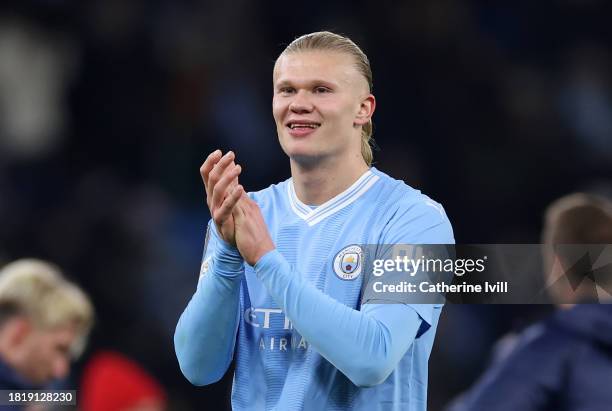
x=228, y=249
x=223, y=246
x=228, y=262
x=260, y=254
x=265, y=260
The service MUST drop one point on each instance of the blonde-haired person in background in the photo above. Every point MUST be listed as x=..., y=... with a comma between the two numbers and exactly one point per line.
x=577, y=218
x=44, y=323
x=282, y=271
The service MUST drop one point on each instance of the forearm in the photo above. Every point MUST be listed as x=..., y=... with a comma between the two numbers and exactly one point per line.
x=206, y=331
x=365, y=348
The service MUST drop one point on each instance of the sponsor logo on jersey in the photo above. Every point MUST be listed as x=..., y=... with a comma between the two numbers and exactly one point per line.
x=348, y=262
x=263, y=319
x=290, y=342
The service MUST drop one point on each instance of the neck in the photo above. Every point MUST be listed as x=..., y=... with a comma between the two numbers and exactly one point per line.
x=320, y=180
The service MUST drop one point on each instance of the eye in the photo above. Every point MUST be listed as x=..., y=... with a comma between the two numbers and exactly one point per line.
x=321, y=89
x=286, y=90
x=63, y=349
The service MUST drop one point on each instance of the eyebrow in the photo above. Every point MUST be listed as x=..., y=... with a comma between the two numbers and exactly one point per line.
x=311, y=82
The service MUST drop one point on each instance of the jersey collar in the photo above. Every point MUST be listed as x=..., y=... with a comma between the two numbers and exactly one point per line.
x=313, y=216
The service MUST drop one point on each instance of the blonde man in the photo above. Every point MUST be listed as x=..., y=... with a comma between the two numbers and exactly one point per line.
x=44, y=321
x=282, y=272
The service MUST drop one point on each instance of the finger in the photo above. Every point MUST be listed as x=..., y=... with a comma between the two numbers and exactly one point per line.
x=232, y=185
x=244, y=197
x=238, y=211
x=221, y=188
x=217, y=171
x=250, y=204
x=229, y=204
x=242, y=204
x=227, y=182
x=208, y=165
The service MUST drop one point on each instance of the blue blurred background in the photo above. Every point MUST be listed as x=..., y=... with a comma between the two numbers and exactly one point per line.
x=108, y=108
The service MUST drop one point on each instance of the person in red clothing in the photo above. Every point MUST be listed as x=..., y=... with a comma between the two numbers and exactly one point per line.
x=113, y=382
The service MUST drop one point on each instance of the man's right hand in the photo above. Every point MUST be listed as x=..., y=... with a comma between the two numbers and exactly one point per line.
x=220, y=176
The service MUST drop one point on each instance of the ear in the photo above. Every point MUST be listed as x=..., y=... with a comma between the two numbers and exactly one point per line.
x=366, y=110
x=17, y=330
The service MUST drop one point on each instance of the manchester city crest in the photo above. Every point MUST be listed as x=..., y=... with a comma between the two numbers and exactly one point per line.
x=348, y=262
x=205, y=266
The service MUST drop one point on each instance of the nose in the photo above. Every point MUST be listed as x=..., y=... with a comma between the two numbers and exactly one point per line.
x=301, y=103
x=60, y=368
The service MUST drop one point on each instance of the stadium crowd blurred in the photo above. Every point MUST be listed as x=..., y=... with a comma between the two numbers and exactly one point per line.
x=108, y=108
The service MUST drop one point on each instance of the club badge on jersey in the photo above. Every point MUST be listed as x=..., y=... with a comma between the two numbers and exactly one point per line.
x=205, y=267
x=348, y=262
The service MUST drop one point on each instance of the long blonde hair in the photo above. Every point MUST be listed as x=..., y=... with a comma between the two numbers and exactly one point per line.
x=326, y=40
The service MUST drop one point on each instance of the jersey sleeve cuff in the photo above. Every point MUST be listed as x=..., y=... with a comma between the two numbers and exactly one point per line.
x=229, y=250
x=269, y=261
x=223, y=247
x=227, y=258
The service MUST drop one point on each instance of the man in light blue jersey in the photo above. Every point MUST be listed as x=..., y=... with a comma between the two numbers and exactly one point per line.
x=282, y=271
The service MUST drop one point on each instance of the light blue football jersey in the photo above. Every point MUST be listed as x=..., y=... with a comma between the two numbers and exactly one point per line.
x=277, y=368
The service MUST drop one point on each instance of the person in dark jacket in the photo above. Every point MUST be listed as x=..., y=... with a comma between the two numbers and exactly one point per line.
x=565, y=362
x=44, y=321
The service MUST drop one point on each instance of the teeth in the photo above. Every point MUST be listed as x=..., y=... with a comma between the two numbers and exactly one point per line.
x=294, y=125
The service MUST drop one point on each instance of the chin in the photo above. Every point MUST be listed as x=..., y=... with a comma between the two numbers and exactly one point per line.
x=301, y=151
x=306, y=160
x=297, y=148
x=41, y=381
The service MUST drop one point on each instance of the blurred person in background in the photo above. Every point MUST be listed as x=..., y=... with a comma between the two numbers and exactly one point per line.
x=563, y=363
x=113, y=382
x=289, y=310
x=576, y=219
x=44, y=322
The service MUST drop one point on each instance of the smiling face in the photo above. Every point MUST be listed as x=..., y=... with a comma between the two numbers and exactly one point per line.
x=321, y=101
